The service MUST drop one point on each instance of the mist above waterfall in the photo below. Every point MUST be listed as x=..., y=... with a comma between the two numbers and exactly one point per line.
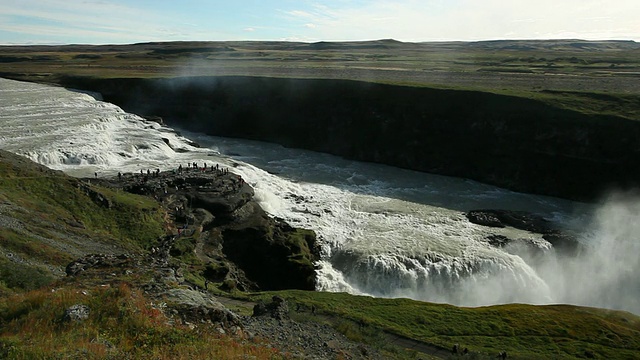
x=605, y=273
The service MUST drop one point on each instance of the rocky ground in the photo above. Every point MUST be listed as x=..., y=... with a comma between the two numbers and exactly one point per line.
x=199, y=201
x=186, y=304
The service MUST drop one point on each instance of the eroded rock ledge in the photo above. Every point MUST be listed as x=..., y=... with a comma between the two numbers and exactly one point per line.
x=562, y=240
x=214, y=220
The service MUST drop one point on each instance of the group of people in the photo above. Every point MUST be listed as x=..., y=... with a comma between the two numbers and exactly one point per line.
x=190, y=166
x=194, y=166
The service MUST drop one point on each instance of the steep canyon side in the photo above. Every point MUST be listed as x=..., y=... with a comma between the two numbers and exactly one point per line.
x=521, y=144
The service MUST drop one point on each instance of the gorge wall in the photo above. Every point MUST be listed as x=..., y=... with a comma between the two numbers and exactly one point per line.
x=516, y=143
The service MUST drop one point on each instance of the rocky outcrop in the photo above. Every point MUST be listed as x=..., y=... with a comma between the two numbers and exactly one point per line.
x=270, y=252
x=278, y=308
x=83, y=264
x=214, y=217
x=518, y=219
x=517, y=143
x=194, y=306
x=562, y=240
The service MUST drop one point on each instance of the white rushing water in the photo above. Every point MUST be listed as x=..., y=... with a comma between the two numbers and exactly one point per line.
x=385, y=231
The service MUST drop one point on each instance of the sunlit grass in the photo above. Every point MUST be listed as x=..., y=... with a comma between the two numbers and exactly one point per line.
x=122, y=324
x=524, y=331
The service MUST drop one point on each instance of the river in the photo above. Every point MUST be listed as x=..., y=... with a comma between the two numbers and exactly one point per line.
x=385, y=232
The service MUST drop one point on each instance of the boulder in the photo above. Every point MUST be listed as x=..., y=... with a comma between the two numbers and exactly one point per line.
x=278, y=308
x=76, y=313
x=196, y=306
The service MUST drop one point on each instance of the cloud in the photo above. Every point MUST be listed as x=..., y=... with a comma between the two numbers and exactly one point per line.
x=98, y=21
x=95, y=21
x=413, y=20
x=301, y=14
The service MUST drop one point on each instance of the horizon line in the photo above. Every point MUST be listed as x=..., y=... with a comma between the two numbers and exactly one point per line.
x=320, y=41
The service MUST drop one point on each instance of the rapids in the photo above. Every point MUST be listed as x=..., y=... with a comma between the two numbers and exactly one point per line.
x=384, y=231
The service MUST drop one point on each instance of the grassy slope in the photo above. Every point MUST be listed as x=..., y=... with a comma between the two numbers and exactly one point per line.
x=524, y=331
x=122, y=324
x=50, y=220
x=52, y=212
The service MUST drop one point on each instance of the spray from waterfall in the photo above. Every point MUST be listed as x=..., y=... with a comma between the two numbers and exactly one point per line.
x=605, y=273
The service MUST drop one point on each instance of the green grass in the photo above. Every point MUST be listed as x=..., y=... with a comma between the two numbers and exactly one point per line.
x=33, y=248
x=524, y=331
x=56, y=218
x=132, y=221
x=17, y=276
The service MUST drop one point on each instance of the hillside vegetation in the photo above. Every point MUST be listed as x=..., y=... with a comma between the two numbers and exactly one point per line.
x=48, y=219
x=524, y=331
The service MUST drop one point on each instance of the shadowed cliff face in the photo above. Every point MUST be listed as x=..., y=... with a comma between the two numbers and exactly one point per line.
x=517, y=143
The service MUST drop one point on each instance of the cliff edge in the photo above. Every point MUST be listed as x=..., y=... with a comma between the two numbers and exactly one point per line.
x=518, y=143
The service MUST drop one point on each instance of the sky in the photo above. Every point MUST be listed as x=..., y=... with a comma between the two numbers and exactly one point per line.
x=124, y=22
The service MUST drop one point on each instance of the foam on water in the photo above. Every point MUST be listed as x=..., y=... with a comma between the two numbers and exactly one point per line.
x=74, y=132
x=384, y=231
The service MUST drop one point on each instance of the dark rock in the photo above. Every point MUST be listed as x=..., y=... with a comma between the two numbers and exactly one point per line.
x=564, y=242
x=271, y=253
x=260, y=309
x=96, y=261
x=518, y=219
x=484, y=218
x=76, y=313
x=214, y=209
x=278, y=308
x=96, y=196
x=154, y=118
x=498, y=240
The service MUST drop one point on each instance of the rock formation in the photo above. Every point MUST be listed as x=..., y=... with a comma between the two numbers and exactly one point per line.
x=214, y=217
